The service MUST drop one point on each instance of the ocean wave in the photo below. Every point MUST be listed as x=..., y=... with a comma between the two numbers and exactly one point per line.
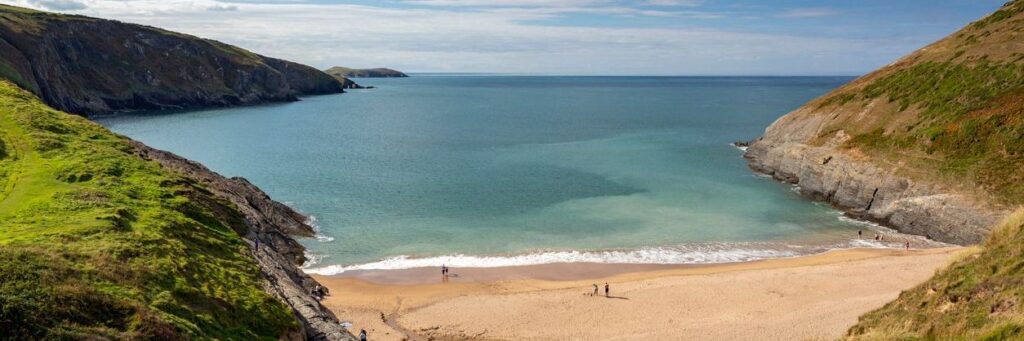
x=317, y=232
x=693, y=254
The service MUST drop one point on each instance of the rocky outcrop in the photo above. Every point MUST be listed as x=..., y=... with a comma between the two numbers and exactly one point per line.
x=866, y=189
x=271, y=224
x=91, y=66
x=927, y=144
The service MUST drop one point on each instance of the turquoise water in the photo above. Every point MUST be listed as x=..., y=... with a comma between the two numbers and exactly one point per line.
x=501, y=170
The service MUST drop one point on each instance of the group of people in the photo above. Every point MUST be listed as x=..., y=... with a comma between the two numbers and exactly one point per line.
x=444, y=273
x=606, y=288
x=881, y=238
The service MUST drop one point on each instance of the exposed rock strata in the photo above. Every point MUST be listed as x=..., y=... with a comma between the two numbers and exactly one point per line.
x=867, y=190
x=278, y=255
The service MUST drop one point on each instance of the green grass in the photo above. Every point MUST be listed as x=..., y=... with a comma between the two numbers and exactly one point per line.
x=970, y=116
x=978, y=297
x=96, y=242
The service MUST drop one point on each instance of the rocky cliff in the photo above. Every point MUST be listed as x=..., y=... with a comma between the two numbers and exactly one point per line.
x=932, y=144
x=272, y=224
x=106, y=238
x=91, y=66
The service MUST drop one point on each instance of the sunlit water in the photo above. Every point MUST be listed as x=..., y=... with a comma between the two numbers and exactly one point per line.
x=504, y=170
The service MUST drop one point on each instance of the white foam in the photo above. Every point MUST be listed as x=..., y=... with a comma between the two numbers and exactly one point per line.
x=741, y=148
x=313, y=259
x=317, y=232
x=691, y=254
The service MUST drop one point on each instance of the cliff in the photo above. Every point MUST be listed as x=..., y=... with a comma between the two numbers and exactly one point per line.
x=91, y=66
x=932, y=144
x=340, y=71
x=106, y=238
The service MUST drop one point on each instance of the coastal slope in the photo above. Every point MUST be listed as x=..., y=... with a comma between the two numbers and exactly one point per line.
x=104, y=237
x=978, y=297
x=90, y=66
x=932, y=144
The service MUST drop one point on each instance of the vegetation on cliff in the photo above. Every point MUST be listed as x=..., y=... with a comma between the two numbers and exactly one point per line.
x=954, y=109
x=978, y=297
x=90, y=66
x=97, y=242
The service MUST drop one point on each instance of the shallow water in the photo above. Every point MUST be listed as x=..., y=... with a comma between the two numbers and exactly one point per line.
x=478, y=170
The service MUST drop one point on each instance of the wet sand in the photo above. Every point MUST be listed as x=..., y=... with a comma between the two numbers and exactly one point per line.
x=811, y=297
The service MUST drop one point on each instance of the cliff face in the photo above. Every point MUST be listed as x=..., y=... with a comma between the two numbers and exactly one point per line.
x=870, y=190
x=932, y=144
x=105, y=238
x=92, y=66
x=272, y=224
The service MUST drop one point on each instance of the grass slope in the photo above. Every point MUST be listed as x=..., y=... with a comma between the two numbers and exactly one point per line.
x=954, y=109
x=96, y=242
x=978, y=297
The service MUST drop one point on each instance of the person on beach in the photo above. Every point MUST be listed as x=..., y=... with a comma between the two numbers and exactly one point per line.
x=876, y=237
x=906, y=244
x=362, y=335
x=605, y=289
x=860, y=234
x=595, y=290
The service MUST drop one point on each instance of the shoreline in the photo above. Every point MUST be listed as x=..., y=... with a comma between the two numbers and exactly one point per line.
x=532, y=301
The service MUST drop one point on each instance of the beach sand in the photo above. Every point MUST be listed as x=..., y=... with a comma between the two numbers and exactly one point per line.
x=811, y=297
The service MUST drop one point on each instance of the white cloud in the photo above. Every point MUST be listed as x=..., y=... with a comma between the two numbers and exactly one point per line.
x=490, y=40
x=672, y=2
x=58, y=5
x=808, y=13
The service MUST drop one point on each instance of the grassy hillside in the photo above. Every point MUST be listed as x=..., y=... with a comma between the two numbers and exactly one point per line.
x=94, y=241
x=953, y=110
x=979, y=297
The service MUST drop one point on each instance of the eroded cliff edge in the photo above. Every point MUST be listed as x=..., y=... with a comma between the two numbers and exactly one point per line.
x=932, y=144
x=865, y=189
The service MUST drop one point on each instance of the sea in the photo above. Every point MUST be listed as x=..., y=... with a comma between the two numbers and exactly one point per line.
x=483, y=170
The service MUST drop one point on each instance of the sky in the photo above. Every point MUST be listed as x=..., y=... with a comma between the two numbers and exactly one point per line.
x=579, y=37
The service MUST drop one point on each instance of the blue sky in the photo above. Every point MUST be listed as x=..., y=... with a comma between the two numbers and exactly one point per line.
x=643, y=37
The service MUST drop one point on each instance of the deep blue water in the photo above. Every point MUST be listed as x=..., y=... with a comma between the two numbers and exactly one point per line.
x=525, y=169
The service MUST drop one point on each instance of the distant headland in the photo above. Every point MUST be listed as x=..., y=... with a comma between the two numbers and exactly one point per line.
x=340, y=71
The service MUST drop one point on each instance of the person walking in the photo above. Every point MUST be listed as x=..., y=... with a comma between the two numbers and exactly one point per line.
x=595, y=290
x=860, y=234
x=362, y=335
x=605, y=289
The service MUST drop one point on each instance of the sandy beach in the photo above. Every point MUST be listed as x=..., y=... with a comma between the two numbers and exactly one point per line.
x=811, y=297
